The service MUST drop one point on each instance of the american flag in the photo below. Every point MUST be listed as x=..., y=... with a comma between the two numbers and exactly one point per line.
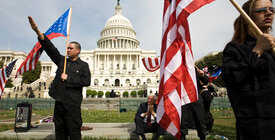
x=115, y=38
x=59, y=29
x=151, y=64
x=215, y=75
x=5, y=74
x=178, y=85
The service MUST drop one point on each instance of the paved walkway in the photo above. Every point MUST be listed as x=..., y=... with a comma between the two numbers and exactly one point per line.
x=100, y=130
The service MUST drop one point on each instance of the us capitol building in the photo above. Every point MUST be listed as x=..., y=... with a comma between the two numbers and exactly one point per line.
x=116, y=63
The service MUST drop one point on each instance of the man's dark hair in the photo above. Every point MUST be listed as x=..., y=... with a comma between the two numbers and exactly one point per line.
x=77, y=45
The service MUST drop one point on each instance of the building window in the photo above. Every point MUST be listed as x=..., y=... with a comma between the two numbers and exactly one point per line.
x=127, y=82
x=106, y=82
x=96, y=82
x=117, y=82
x=138, y=81
x=148, y=81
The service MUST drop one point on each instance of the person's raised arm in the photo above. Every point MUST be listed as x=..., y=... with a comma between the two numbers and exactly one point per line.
x=47, y=45
x=35, y=28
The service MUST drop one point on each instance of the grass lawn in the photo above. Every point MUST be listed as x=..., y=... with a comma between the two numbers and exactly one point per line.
x=224, y=123
x=92, y=116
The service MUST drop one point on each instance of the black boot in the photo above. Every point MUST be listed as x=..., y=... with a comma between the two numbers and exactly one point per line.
x=183, y=137
x=202, y=138
x=143, y=136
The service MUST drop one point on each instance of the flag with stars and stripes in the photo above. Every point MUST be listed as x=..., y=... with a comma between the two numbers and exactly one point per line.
x=5, y=74
x=178, y=85
x=58, y=29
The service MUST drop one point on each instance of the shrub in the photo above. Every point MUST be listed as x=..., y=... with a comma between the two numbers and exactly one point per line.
x=88, y=92
x=100, y=94
x=133, y=93
x=92, y=93
x=107, y=94
x=125, y=94
x=140, y=93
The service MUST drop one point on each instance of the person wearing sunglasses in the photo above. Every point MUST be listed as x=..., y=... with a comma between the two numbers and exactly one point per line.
x=249, y=73
x=264, y=9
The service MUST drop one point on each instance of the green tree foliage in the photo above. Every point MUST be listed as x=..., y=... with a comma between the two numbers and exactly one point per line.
x=9, y=84
x=210, y=61
x=88, y=92
x=94, y=93
x=107, y=94
x=100, y=94
x=91, y=93
x=125, y=94
x=1, y=64
x=133, y=93
x=31, y=76
x=140, y=93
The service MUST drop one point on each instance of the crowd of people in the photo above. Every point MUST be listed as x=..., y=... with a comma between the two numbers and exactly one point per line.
x=27, y=91
x=249, y=73
x=248, y=70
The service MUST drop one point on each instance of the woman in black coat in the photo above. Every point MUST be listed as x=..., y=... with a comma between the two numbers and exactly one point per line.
x=249, y=73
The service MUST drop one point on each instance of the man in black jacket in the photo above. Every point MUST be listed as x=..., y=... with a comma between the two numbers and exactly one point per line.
x=145, y=118
x=67, y=86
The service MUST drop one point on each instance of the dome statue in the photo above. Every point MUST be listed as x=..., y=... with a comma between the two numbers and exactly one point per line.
x=118, y=32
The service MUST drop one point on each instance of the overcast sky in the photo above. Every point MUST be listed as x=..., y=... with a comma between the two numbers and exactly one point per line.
x=211, y=26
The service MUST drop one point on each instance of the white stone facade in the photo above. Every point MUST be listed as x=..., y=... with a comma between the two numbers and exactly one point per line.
x=7, y=56
x=116, y=63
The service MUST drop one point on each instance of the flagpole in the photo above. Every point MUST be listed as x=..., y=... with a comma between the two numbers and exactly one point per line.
x=67, y=44
x=250, y=22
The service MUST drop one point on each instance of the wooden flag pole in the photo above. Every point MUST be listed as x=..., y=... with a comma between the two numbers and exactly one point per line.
x=67, y=44
x=249, y=21
x=247, y=18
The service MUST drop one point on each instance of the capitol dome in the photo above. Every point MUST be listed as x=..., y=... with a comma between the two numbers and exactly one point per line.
x=118, y=32
x=118, y=20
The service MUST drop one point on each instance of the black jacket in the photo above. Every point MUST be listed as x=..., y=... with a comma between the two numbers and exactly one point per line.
x=79, y=75
x=143, y=107
x=250, y=80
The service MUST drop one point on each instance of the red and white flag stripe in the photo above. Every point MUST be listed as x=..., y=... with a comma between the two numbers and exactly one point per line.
x=31, y=60
x=5, y=74
x=151, y=64
x=59, y=29
x=178, y=85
